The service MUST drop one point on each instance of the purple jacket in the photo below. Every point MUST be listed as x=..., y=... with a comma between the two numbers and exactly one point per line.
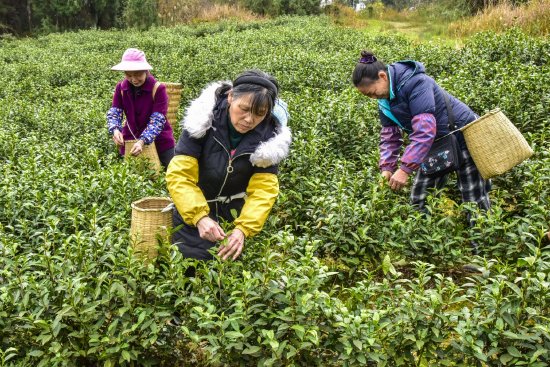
x=146, y=118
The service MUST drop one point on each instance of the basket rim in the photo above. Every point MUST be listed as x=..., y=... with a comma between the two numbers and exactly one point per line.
x=485, y=116
x=173, y=85
x=137, y=202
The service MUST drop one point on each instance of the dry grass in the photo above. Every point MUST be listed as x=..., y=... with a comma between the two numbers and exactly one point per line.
x=218, y=12
x=533, y=18
x=173, y=12
x=392, y=15
x=345, y=16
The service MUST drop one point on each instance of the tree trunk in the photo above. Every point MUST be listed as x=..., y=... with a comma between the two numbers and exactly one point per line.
x=29, y=14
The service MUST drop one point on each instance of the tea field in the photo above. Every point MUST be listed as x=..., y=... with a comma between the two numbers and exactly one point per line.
x=345, y=273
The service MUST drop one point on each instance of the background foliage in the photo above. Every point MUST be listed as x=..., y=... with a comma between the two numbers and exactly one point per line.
x=345, y=272
x=40, y=16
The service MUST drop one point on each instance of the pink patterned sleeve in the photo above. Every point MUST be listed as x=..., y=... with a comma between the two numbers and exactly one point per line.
x=422, y=138
x=390, y=145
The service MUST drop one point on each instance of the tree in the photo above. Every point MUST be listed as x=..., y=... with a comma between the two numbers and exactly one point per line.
x=15, y=16
x=141, y=14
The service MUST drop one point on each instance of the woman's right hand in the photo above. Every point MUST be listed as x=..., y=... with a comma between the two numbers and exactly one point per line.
x=210, y=230
x=387, y=175
x=118, y=138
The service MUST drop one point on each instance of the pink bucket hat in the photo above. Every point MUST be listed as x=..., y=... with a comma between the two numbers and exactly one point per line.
x=132, y=60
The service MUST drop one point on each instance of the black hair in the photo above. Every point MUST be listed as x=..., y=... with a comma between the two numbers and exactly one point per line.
x=264, y=92
x=367, y=69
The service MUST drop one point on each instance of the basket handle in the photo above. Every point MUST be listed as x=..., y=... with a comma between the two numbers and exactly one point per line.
x=168, y=208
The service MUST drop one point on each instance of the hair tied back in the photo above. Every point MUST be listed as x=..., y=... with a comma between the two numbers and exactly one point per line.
x=367, y=58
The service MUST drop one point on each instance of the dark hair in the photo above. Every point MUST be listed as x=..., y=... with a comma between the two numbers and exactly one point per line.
x=367, y=68
x=263, y=87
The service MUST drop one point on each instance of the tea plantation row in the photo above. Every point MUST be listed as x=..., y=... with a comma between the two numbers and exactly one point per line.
x=345, y=273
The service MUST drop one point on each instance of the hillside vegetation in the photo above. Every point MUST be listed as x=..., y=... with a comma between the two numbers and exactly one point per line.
x=345, y=273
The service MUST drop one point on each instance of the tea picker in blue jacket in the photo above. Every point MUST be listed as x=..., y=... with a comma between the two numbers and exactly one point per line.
x=411, y=102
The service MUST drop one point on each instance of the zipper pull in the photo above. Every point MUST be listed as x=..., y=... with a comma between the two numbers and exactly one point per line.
x=229, y=167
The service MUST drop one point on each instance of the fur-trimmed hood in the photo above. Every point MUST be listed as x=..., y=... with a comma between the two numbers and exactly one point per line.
x=198, y=120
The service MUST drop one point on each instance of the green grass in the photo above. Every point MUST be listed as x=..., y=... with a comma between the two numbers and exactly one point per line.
x=345, y=272
x=416, y=31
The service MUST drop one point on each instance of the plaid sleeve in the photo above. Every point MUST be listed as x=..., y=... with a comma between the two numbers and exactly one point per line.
x=422, y=138
x=390, y=144
x=153, y=129
x=114, y=119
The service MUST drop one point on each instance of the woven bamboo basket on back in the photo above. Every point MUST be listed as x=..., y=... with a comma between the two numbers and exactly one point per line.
x=149, y=153
x=151, y=219
x=174, y=98
x=495, y=144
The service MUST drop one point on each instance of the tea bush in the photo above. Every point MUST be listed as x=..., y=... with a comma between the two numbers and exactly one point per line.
x=345, y=272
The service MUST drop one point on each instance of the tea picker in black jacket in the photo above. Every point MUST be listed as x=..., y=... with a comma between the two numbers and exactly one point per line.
x=234, y=137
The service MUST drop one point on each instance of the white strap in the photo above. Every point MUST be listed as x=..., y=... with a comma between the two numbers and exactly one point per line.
x=228, y=199
x=168, y=208
x=155, y=87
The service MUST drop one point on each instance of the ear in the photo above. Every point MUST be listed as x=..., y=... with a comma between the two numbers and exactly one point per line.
x=383, y=75
x=230, y=96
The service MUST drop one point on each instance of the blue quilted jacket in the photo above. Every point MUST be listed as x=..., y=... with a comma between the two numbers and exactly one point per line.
x=412, y=92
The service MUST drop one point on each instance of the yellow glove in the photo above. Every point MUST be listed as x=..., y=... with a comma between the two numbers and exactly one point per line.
x=182, y=177
x=262, y=191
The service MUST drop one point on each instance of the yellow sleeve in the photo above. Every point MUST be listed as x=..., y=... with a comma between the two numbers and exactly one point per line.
x=182, y=177
x=261, y=193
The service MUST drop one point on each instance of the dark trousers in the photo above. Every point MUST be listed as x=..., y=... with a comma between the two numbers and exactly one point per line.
x=166, y=156
x=472, y=186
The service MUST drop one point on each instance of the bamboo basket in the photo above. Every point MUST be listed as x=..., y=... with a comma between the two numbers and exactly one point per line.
x=149, y=152
x=495, y=144
x=174, y=98
x=151, y=220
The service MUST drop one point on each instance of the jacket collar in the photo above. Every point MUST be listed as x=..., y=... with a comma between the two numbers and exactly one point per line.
x=147, y=86
x=400, y=73
x=201, y=113
x=392, y=94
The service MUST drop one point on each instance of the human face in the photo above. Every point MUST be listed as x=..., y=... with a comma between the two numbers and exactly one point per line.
x=136, y=78
x=377, y=89
x=241, y=115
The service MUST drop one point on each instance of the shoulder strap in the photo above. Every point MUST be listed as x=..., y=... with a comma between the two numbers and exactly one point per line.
x=450, y=114
x=155, y=87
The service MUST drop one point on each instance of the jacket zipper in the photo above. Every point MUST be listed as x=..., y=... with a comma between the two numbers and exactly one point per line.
x=229, y=168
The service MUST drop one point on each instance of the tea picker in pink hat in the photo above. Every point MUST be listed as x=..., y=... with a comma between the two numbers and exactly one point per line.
x=144, y=103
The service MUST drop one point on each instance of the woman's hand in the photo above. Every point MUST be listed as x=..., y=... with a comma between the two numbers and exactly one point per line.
x=137, y=148
x=386, y=175
x=399, y=179
x=118, y=138
x=210, y=230
x=234, y=246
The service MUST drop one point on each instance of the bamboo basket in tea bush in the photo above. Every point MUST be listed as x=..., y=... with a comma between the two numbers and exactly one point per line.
x=149, y=153
x=151, y=219
x=495, y=144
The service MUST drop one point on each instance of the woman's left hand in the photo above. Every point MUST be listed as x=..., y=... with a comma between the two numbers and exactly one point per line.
x=137, y=148
x=234, y=246
x=398, y=180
